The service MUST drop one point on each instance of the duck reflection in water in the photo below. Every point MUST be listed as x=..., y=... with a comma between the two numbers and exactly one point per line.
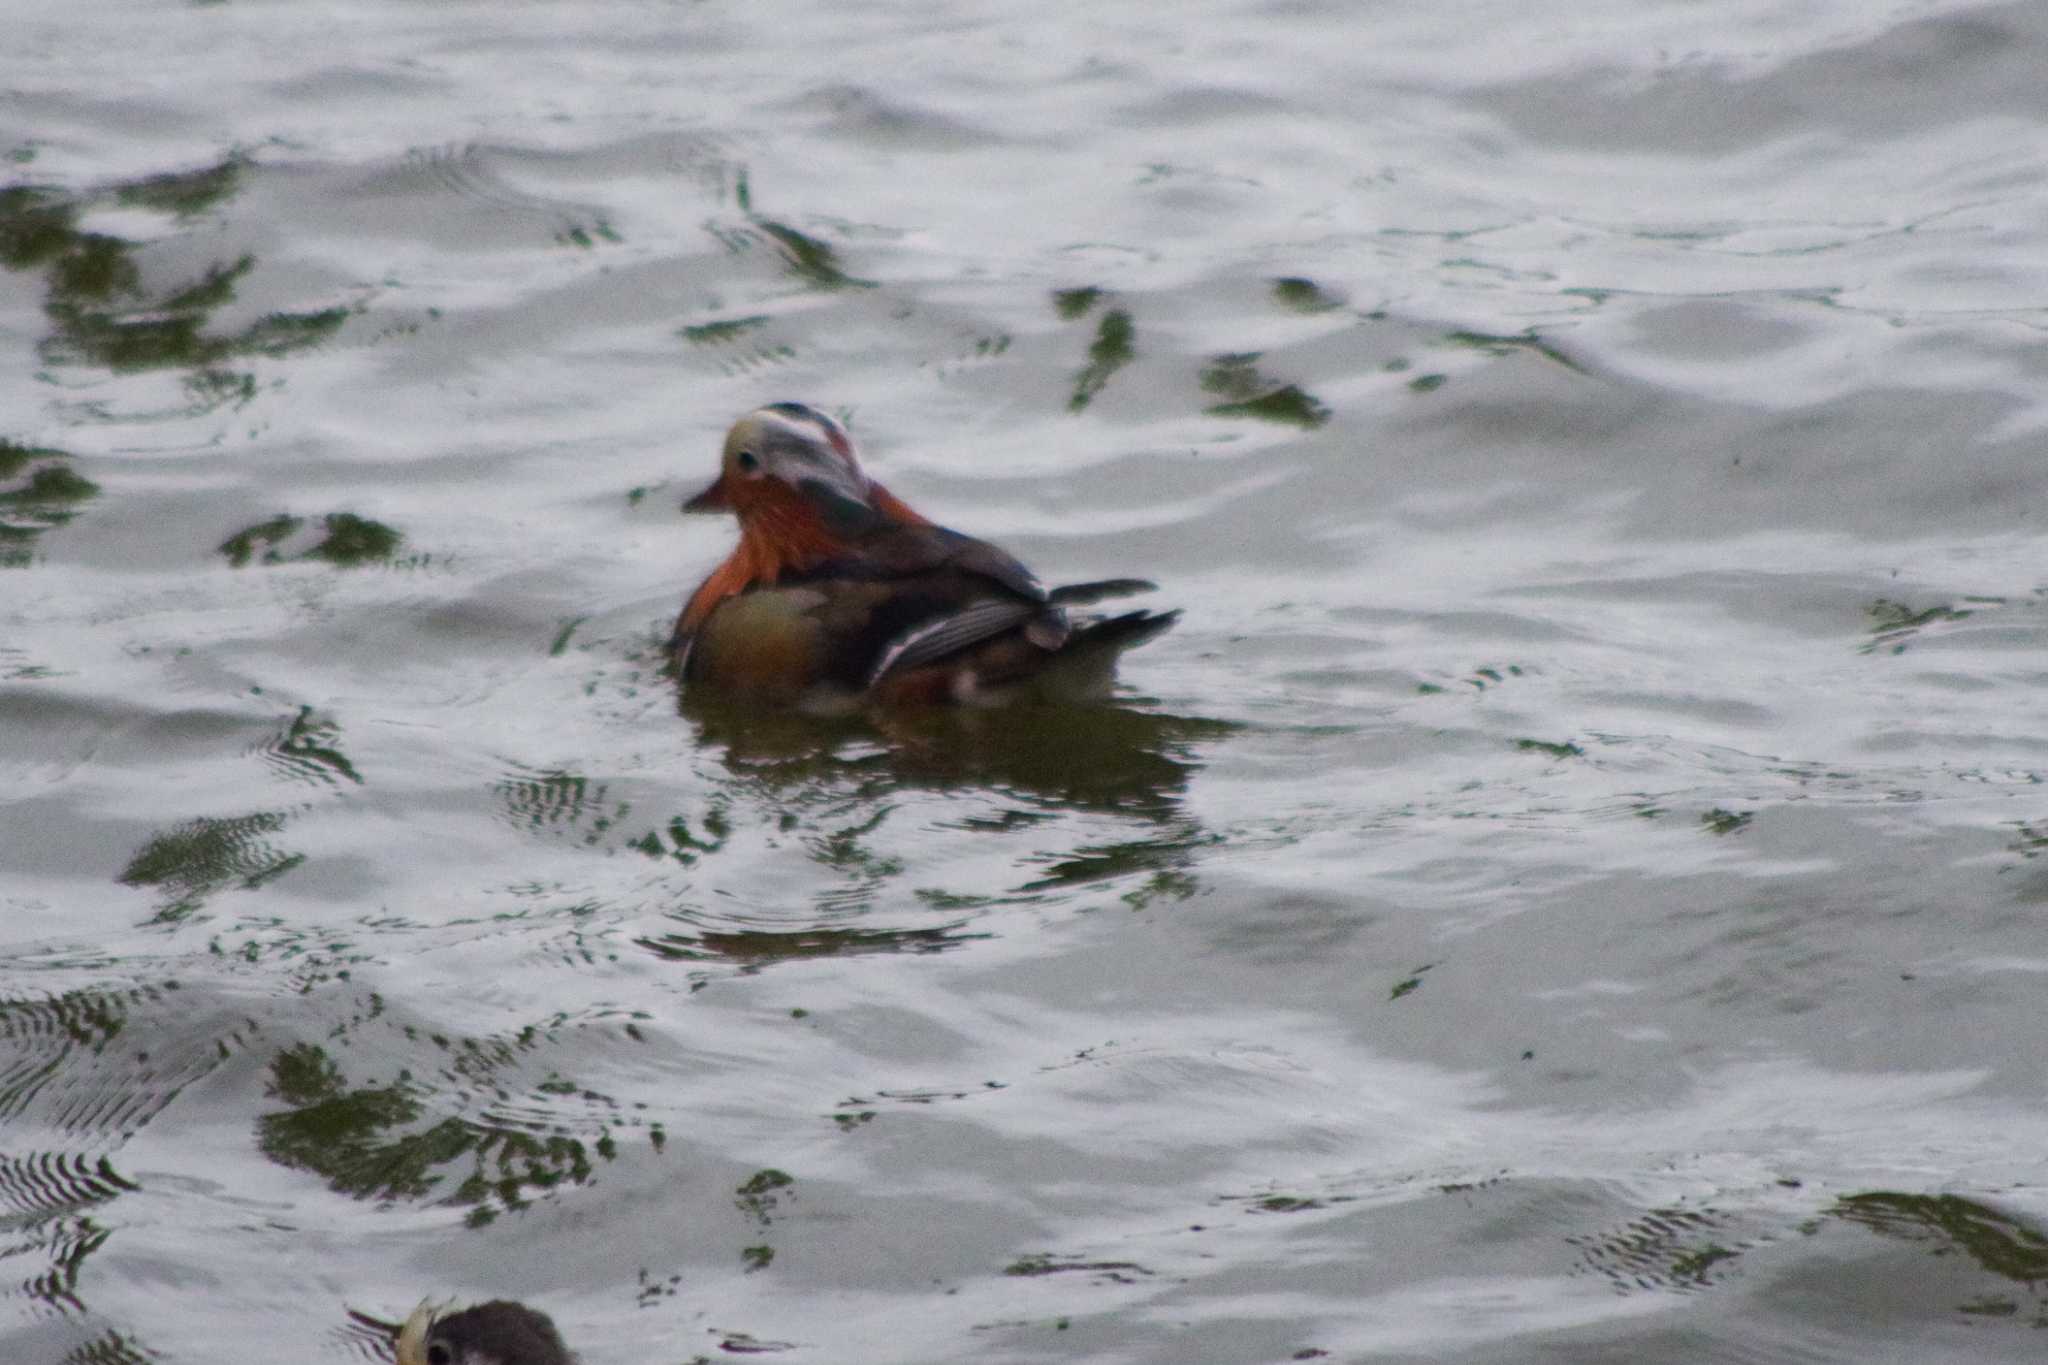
x=1112, y=759
x=839, y=596
x=496, y=1333
x=1074, y=796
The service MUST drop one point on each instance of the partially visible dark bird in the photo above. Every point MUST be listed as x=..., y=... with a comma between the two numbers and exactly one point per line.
x=839, y=595
x=496, y=1333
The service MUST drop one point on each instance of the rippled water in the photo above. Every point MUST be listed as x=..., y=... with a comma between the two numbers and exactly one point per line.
x=1570, y=888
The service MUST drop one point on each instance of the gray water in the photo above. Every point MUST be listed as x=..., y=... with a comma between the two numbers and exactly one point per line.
x=1569, y=889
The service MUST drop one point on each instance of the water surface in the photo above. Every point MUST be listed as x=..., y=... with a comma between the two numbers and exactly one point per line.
x=1568, y=889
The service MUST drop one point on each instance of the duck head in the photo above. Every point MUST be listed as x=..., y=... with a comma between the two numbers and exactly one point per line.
x=496, y=1333
x=786, y=466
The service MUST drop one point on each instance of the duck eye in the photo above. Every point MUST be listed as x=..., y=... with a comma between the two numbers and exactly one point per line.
x=747, y=462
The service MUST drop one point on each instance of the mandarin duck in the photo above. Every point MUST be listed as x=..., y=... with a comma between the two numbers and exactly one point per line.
x=839, y=595
x=500, y=1332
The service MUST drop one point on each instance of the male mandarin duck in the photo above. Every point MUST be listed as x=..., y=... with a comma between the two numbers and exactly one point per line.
x=496, y=1333
x=839, y=595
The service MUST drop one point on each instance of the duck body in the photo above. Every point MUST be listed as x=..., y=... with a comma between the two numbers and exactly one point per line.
x=840, y=596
